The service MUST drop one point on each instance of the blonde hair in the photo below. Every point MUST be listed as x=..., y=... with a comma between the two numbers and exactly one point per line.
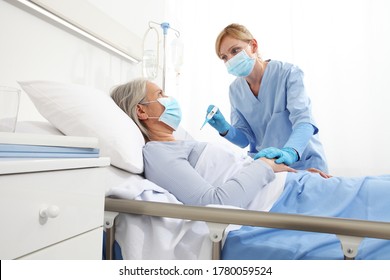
x=128, y=96
x=236, y=31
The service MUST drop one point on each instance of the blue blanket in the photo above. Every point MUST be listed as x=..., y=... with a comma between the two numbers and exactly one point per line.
x=366, y=198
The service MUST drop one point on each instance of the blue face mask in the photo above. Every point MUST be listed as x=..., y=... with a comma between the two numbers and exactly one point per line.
x=240, y=65
x=172, y=113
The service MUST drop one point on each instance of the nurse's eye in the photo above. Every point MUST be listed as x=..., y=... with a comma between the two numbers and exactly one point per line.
x=236, y=50
x=223, y=57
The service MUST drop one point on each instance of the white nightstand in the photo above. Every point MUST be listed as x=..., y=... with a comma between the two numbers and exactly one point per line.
x=52, y=208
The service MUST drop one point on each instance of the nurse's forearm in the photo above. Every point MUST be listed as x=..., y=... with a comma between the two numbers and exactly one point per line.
x=300, y=137
x=236, y=137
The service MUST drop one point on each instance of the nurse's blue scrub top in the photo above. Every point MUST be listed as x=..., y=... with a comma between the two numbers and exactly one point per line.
x=268, y=119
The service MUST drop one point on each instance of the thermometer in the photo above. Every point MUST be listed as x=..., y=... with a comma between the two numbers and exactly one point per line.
x=210, y=115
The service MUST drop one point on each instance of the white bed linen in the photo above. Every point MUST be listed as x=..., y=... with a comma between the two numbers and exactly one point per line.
x=144, y=237
x=217, y=165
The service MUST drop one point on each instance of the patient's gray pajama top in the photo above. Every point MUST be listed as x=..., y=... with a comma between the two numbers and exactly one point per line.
x=171, y=165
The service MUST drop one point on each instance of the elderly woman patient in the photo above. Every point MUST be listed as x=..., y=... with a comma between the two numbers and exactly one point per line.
x=199, y=173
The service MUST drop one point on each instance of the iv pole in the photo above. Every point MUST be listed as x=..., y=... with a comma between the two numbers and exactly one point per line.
x=165, y=26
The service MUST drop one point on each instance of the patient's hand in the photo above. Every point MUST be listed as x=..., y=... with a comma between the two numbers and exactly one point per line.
x=323, y=174
x=277, y=167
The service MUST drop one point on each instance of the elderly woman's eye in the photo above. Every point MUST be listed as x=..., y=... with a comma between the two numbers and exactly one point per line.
x=161, y=94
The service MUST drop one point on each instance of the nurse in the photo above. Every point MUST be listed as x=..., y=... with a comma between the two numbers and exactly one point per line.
x=270, y=108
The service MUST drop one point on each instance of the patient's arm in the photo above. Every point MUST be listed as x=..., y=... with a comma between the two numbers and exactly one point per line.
x=282, y=167
x=277, y=167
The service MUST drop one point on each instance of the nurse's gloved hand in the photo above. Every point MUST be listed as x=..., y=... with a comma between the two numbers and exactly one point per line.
x=218, y=121
x=285, y=155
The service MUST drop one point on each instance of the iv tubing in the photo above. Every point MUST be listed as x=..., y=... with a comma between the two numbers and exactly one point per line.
x=165, y=26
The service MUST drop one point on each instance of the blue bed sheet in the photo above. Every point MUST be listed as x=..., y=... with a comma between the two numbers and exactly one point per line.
x=366, y=198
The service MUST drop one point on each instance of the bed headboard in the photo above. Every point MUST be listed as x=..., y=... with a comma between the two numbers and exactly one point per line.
x=40, y=48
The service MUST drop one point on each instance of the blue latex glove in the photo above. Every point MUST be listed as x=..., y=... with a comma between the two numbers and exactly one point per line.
x=218, y=121
x=285, y=155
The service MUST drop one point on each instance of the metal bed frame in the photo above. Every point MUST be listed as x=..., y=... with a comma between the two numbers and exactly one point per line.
x=349, y=231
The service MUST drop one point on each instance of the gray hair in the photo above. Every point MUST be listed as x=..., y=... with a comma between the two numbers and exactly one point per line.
x=127, y=96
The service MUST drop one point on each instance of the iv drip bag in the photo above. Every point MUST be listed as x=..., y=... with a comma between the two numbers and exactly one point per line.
x=177, y=48
x=150, y=64
x=150, y=58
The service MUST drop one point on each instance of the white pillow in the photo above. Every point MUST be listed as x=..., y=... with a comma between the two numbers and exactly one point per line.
x=37, y=127
x=83, y=111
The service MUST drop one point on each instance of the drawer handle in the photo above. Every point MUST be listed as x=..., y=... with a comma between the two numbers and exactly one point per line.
x=49, y=212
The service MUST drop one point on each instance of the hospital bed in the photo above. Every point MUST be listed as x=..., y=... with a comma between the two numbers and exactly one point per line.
x=350, y=232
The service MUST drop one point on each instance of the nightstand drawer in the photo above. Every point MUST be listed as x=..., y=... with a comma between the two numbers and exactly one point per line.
x=87, y=246
x=75, y=199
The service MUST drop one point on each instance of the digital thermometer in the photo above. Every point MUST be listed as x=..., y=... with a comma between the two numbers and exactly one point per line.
x=210, y=115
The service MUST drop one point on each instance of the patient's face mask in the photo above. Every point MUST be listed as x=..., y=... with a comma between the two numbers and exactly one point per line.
x=240, y=65
x=172, y=113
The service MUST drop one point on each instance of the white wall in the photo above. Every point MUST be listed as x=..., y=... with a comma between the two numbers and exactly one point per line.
x=30, y=49
x=136, y=15
x=343, y=47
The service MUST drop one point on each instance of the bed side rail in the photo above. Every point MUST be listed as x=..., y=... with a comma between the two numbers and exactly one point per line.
x=339, y=226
